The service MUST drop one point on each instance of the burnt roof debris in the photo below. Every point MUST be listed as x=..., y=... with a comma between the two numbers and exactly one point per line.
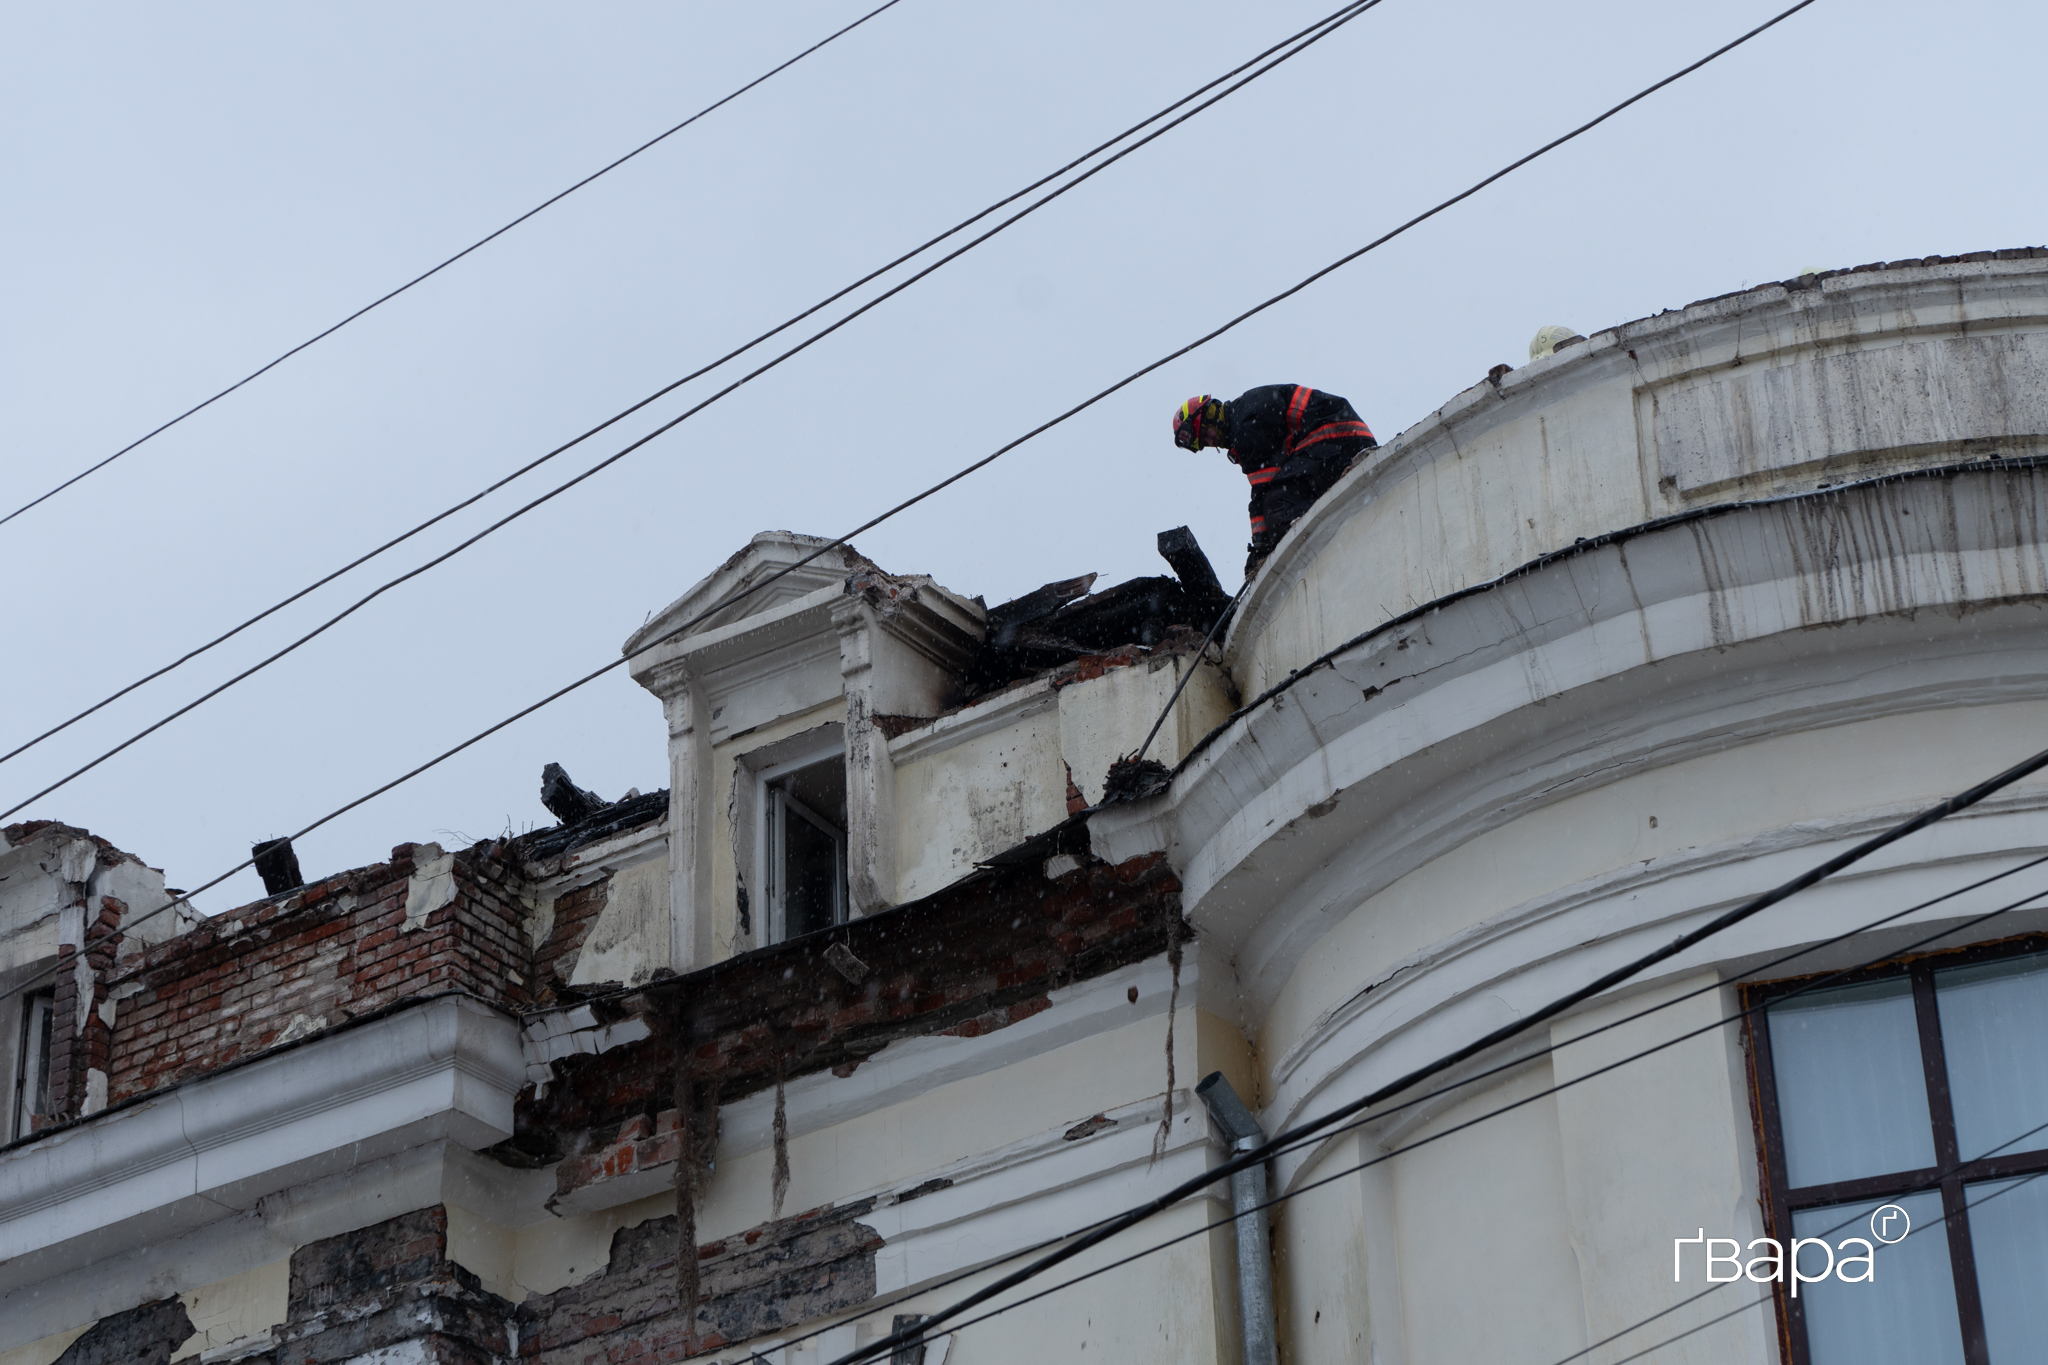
x=565, y=800
x=1197, y=576
x=1129, y=780
x=1007, y=620
x=1063, y=621
x=628, y=812
x=278, y=865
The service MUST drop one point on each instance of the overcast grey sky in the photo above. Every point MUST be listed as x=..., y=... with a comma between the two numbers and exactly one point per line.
x=192, y=189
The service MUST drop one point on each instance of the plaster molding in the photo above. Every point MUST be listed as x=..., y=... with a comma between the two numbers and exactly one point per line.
x=999, y=712
x=913, y=1066
x=217, y=1146
x=587, y=863
x=1516, y=677
x=1041, y=1188
x=1844, y=313
x=1462, y=987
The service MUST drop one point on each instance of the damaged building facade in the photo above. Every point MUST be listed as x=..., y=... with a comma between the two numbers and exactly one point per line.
x=894, y=982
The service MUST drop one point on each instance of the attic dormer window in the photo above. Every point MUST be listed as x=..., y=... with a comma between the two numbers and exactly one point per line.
x=803, y=821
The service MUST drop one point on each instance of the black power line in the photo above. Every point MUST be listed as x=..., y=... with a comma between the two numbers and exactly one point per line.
x=1298, y=1136
x=1477, y=1076
x=1347, y=14
x=1320, y=29
x=421, y=278
x=1965, y=799
x=1464, y=1081
x=1953, y=804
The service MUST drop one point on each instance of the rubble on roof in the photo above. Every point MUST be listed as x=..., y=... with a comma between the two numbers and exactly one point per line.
x=565, y=800
x=600, y=821
x=1063, y=621
x=1134, y=779
x=278, y=864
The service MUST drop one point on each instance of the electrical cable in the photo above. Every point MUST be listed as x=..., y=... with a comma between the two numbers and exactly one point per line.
x=1348, y=13
x=1953, y=804
x=1355, y=11
x=981, y=1268
x=1181, y=686
x=955, y=1278
x=1132, y=1217
x=1336, y=17
x=1722, y=1317
x=1522, y=1059
x=421, y=278
x=1949, y=807
x=1084, y=405
x=565, y=486
x=1284, y=1141
x=1389, y=1155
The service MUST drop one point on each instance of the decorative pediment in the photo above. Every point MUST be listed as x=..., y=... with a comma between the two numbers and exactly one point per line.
x=732, y=592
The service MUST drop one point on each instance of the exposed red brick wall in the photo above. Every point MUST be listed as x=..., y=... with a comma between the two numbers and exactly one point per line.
x=386, y=1285
x=968, y=960
x=392, y=1284
x=329, y=951
x=74, y=1051
x=763, y=1280
x=575, y=913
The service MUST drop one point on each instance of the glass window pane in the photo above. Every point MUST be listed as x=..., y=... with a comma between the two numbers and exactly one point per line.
x=811, y=875
x=1993, y=1018
x=2009, y=1233
x=1852, y=1097
x=1906, y=1314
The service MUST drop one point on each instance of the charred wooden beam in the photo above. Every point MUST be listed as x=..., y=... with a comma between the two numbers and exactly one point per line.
x=565, y=800
x=1197, y=576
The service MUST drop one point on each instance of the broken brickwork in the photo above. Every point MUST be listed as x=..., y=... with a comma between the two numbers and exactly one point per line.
x=575, y=913
x=81, y=1043
x=764, y=1280
x=340, y=947
x=388, y=1285
x=146, y=1334
x=392, y=1285
x=968, y=960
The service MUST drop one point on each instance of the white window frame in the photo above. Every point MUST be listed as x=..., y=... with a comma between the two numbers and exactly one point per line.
x=771, y=808
x=34, y=1017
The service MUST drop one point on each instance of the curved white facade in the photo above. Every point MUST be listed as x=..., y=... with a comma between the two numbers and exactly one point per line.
x=1578, y=662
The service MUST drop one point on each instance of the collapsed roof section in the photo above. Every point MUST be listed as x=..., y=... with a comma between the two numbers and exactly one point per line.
x=1063, y=621
x=908, y=731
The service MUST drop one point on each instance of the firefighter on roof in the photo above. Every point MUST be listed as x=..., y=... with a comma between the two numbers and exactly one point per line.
x=1291, y=441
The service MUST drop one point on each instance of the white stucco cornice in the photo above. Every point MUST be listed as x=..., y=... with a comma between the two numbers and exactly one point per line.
x=1485, y=974
x=991, y=714
x=1773, y=390
x=1917, y=594
x=445, y=1070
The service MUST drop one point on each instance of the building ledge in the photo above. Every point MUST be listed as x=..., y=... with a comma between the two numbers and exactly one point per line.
x=446, y=1069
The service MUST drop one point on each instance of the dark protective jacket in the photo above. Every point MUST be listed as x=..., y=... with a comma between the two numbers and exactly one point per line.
x=1292, y=442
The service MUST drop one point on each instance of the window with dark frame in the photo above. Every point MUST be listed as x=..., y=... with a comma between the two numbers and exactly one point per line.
x=1922, y=1084
x=805, y=824
x=32, y=1065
